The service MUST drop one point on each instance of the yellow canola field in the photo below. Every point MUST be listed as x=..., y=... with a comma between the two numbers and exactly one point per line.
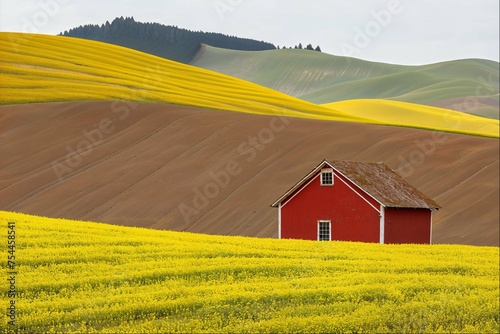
x=416, y=115
x=42, y=68
x=72, y=276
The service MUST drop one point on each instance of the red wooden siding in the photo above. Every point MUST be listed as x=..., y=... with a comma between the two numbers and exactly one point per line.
x=352, y=217
x=407, y=226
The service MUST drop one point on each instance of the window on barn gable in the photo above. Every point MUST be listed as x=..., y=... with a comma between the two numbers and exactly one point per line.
x=324, y=230
x=327, y=177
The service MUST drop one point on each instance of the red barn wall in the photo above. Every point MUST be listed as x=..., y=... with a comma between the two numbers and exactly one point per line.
x=403, y=226
x=352, y=218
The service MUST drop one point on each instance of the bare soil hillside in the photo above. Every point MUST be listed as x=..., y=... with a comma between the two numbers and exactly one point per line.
x=174, y=167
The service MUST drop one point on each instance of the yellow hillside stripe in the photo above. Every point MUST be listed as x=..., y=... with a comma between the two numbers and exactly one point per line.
x=416, y=115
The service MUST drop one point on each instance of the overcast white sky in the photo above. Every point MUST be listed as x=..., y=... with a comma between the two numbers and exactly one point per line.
x=392, y=31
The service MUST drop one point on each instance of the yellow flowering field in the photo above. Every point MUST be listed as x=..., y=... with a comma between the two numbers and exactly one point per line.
x=71, y=276
x=41, y=68
x=418, y=115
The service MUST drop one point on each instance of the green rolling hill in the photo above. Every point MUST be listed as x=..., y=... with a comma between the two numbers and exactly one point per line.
x=468, y=85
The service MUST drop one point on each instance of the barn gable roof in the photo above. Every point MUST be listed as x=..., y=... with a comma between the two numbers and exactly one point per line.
x=377, y=180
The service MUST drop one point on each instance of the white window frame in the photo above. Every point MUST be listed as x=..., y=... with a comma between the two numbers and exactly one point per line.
x=326, y=171
x=329, y=222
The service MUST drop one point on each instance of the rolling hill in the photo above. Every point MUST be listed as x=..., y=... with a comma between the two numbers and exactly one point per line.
x=84, y=277
x=165, y=166
x=469, y=85
x=72, y=69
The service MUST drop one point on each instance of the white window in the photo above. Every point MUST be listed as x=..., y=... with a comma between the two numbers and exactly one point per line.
x=327, y=177
x=324, y=230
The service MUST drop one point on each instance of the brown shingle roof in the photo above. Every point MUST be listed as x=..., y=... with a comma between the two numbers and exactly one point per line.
x=377, y=180
x=384, y=184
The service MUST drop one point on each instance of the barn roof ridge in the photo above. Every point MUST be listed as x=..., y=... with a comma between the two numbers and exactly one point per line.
x=377, y=180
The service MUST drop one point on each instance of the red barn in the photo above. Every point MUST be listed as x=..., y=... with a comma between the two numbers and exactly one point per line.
x=355, y=201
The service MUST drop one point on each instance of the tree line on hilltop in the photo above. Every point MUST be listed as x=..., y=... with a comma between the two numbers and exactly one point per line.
x=164, y=41
x=308, y=47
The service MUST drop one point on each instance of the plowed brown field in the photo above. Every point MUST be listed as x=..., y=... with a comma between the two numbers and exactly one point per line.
x=181, y=168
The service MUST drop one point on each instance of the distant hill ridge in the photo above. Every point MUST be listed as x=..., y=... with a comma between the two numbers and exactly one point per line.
x=467, y=85
x=160, y=40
